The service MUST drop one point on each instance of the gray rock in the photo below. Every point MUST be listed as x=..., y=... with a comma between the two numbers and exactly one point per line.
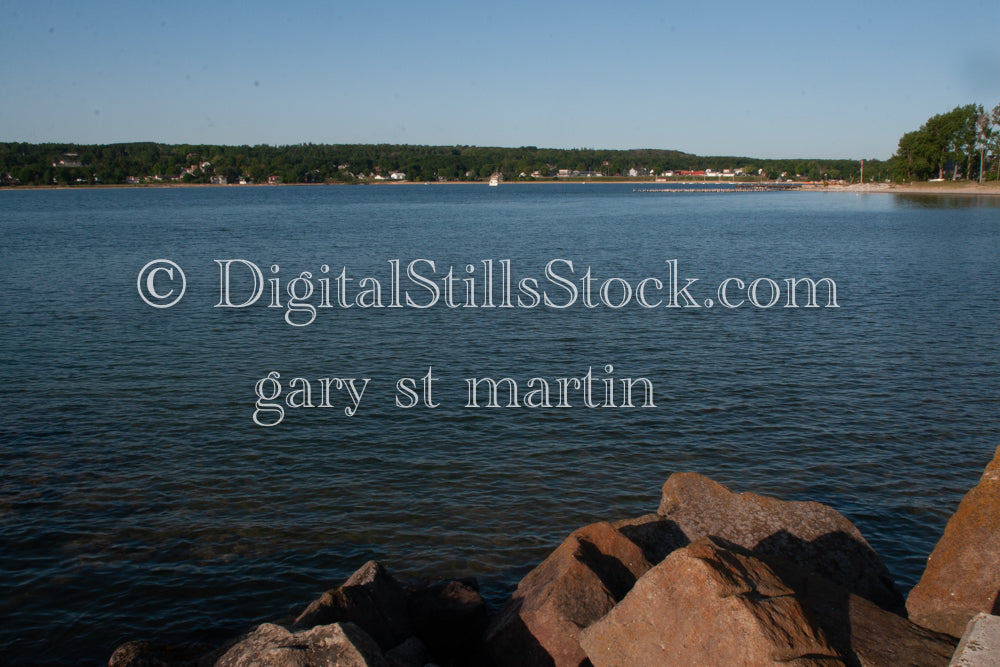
x=371, y=599
x=980, y=645
x=340, y=644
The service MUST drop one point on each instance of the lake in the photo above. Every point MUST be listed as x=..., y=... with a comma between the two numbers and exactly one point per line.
x=140, y=499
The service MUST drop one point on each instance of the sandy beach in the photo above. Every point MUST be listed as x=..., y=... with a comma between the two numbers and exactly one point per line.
x=924, y=188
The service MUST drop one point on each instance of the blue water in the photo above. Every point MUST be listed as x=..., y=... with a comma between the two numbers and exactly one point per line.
x=138, y=499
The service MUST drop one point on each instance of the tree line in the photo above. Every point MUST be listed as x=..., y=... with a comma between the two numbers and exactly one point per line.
x=77, y=164
x=962, y=143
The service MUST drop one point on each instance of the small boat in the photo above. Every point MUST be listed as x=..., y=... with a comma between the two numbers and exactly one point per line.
x=495, y=179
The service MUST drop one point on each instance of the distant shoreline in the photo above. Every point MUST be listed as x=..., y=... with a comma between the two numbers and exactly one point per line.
x=922, y=188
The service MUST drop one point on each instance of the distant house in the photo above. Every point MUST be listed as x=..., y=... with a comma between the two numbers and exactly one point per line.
x=219, y=180
x=274, y=180
x=397, y=175
x=68, y=160
x=133, y=180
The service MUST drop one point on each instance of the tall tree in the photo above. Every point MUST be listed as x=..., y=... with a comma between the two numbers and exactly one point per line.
x=984, y=132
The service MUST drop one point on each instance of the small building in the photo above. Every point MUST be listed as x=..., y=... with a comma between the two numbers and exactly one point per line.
x=397, y=175
x=274, y=180
x=68, y=160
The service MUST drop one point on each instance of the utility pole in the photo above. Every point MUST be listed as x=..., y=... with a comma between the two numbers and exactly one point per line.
x=862, y=170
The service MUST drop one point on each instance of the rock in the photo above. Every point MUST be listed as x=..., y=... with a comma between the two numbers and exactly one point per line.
x=269, y=645
x=656, y=536
x=864, y=633
x=154, y=654
x=962, y=576
x=980, y=645
x=371, y=599
x=786, y=534
x=577, y=584
x=411, y=653
x=708, y=605
x=450, y=618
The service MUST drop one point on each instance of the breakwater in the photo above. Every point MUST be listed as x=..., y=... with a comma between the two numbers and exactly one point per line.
x=712, y=577
x=756, y=187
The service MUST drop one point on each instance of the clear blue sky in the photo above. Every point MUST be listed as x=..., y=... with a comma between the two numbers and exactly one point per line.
x=840, y=79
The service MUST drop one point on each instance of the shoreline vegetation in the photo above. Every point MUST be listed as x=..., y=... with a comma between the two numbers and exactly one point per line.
x=962, y=145
x=712, y=577
x=920, y=188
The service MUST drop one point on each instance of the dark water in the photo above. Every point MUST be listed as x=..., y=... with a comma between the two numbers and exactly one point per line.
x=138, y=498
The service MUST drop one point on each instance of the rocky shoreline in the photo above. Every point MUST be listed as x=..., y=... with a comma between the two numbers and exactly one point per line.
x=712, y=578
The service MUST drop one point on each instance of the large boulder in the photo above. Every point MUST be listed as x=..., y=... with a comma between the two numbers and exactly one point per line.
x=962, y=576
x=577, y=584
x=657, y=536
x=371, y=599
x=268, y=645
x=786, y=534
x=450, y=618
x=980, y=645
x=864, y=633
x=706, y=604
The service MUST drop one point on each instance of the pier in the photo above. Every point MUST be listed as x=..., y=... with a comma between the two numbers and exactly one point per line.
x=749, y=187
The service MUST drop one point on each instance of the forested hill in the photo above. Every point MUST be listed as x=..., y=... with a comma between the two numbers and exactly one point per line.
x=74, y=164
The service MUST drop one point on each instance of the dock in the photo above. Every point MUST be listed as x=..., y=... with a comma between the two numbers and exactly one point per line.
x=749, y=187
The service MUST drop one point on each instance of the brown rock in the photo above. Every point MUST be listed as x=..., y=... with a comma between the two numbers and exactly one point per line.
x=864, y=633
x=268, y=645
x=371, y=599
x=708, y=605
x=786, y=534
x=962, y=576
x=656, y=536
x=579, y=582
